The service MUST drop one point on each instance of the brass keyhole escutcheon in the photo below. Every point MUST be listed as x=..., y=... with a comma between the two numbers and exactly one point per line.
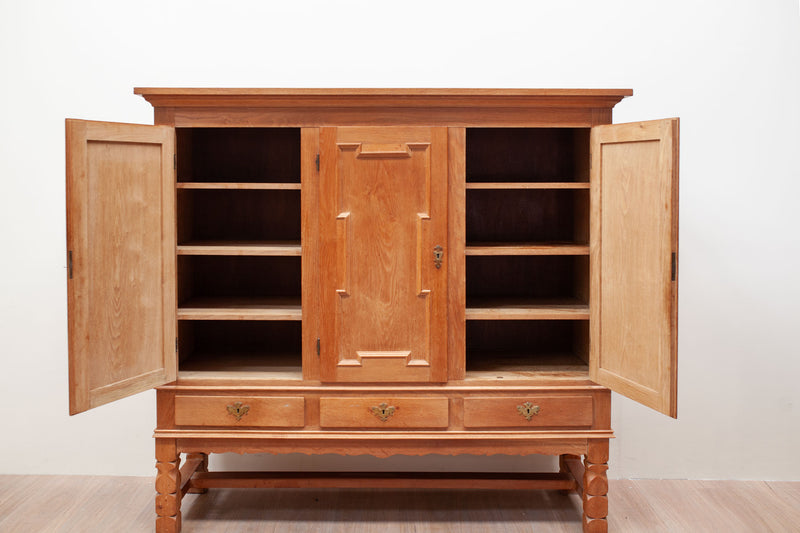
x=528, y=410
x=383, y=411
x=238, y=410
x=438, y=254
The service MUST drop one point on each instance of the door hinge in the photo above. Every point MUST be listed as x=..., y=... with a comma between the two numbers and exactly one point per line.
x=316, y=162
x=674, y=265
x=317, y=347
x=69, y=263
x=176, y=344
x=174, y=161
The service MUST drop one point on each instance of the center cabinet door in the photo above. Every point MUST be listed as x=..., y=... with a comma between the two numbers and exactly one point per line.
x=383, y=237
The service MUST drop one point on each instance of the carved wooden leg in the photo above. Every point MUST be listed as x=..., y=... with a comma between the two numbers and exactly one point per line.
x=168, y=485
x=595, y=487
x=202, y=468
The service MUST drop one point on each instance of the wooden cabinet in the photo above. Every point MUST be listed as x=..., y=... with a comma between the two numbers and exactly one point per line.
x=375, y=272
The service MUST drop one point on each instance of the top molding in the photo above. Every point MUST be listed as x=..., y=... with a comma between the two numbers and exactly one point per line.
x=419, y=98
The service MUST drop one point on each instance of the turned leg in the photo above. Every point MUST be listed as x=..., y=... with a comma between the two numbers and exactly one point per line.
x=595, y=487
x=168, y=486
x=203, y=467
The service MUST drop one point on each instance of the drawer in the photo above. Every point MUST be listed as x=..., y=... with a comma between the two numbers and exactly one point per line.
x=528, y=411
x=380, y=412
x=273, y=411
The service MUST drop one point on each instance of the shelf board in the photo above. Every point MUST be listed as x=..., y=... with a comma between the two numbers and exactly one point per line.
x=241, y=365
x=269, y=248
x=526, y=248
x=241, y=309
x=529, y=185
x=485, y=365
x=526, y=309
x=238, y=185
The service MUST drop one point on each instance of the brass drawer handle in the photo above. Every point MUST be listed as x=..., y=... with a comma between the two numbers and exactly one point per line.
x=238, y=410
x=528, y=410
x=383, y=411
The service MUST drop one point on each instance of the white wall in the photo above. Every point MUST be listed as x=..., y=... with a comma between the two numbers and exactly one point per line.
x=729, y=69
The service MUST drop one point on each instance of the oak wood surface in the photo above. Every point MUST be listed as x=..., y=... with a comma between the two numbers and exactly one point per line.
x=240, y=309
x=411, y=412
x=383, y=194
x=94, y=504
x=553, y=411
x=207, y=410
x=121, y=241
x=634, y=237
x=269, y=248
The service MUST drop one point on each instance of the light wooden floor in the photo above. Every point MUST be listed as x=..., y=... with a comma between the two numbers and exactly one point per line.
x=82, y=504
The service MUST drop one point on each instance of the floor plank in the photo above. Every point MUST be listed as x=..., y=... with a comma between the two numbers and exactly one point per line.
x=87, y=504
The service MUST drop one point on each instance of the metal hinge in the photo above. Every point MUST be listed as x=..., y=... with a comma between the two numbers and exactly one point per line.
x=176, y=344
x=674, y=265
x=317, y=346
x=316, y=162
x=69, y=263
x=174, y=161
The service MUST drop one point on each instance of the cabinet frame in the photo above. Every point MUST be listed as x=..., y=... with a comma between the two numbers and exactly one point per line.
x=444, y=431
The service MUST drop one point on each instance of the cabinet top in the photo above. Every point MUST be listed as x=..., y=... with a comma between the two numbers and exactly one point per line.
x=213, y=97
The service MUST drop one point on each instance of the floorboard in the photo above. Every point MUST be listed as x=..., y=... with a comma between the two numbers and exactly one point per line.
x=87, y=504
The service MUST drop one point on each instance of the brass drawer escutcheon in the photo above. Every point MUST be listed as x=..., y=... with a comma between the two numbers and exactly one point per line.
x=528, y=410
x=383, y=411
x=238, y=410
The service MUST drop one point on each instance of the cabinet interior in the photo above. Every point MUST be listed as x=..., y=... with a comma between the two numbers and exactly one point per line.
x=527, y=252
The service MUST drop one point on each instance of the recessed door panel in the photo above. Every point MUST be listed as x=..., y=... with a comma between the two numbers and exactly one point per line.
x=383, y=237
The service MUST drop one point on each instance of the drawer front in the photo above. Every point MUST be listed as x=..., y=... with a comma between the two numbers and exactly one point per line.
x=280, y=412
x=380, y=412
x=528, y=411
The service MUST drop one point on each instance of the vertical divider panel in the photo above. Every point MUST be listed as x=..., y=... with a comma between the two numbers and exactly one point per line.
x=309, y=201
x=456, y=265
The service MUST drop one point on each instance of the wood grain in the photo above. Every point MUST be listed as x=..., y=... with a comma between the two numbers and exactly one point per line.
x=554, y=411
x=121, y=236
x=95, y=503
x=634, y=234
x=408, y=412
x=262, y=411
x=380, y=219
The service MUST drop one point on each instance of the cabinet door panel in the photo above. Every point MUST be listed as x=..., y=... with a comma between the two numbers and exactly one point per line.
x=121, y=254
x=634, y=245
x=383, y=213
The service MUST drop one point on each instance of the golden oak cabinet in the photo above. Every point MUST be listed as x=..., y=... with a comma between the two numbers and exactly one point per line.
x=375, y=271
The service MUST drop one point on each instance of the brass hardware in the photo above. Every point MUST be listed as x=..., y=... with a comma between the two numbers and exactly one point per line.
x=238, y=410
x=383, y=411
x=69, y=263
x=527, y=410
x=438, y=254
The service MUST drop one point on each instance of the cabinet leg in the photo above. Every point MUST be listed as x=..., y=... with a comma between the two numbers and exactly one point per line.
x=202, y=468
x=168, y=486
x=595, y=487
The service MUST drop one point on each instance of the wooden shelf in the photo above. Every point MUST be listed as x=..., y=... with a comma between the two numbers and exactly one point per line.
x=242, y=365
x=525, y=309
x=483, y=365
x=526, y=248
x=268, y=248
x=241, y=309
x=528, y=185
x=238, y=185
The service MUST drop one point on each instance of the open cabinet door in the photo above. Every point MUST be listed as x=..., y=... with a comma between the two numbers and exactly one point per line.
x=634, y=245
x=121, y=260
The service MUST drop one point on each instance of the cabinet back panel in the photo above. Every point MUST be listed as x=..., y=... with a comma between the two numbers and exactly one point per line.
x=243, y=215
x=239, y=154
x=527, y=215
x=527, y=154
x=238, y=277
x=525, y=276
